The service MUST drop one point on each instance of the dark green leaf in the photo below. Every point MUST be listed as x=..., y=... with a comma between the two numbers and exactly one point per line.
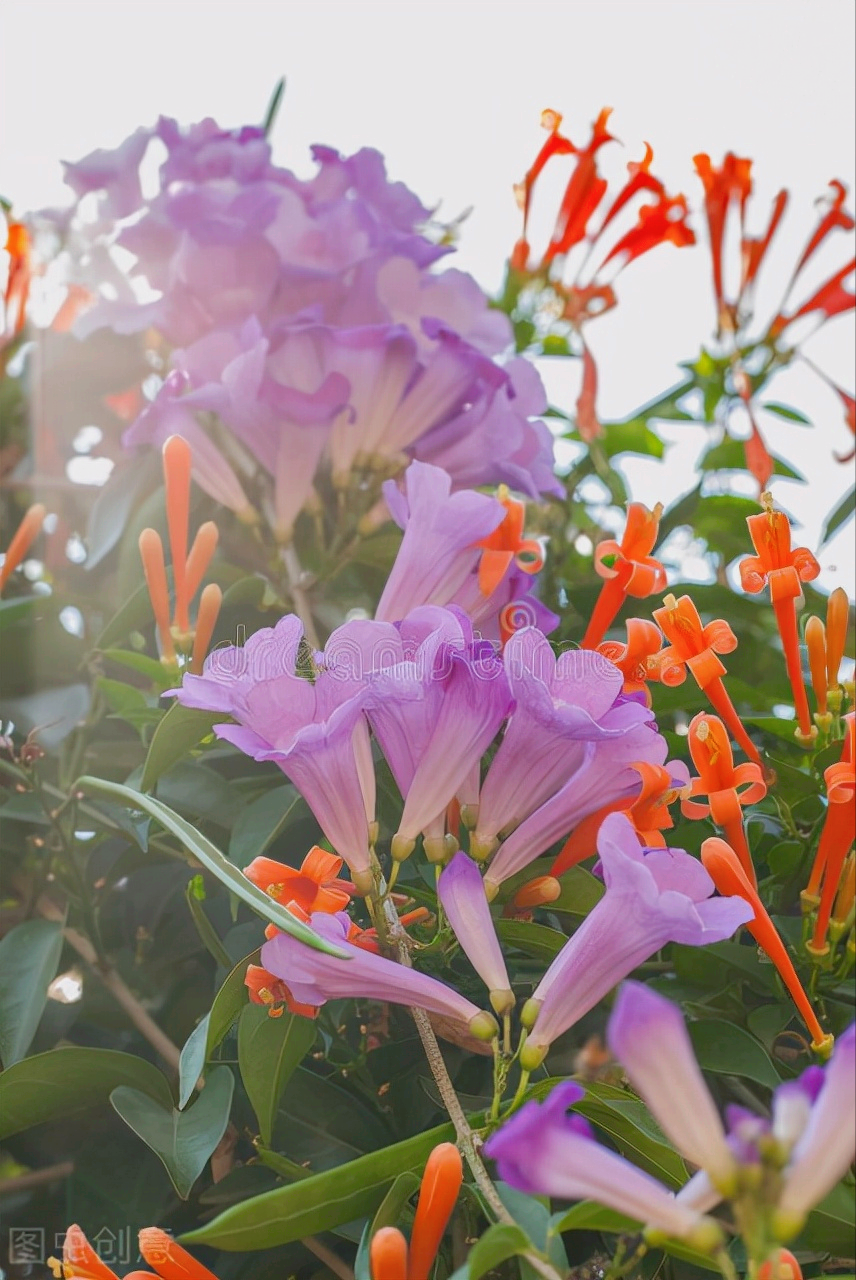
x=228, y=1003
x=831, y=1225
x=210, y=856
x=205, y=928
x=500, y=1241
x=53, y=1085
x=842, y=513
x=632, y=437
x=29, y=955
x=192, y=1061
x=536, y=940
x=581, y=891
x=269, y=1050
x=726, y=1049
x=183, y=1140
x=785, y=411
x=319, y=1203
x=259, y=824
x=180, y=730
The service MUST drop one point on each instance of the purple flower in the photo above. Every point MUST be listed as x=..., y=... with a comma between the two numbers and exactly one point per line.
x=598, y=763
x=314, y=730
x=364, y=975
x=561, y=706
x=171, y=414
x=652, y=897
x=115, y=173
x=545, y=1150
x=826, y=1148
x=462, y=895
x=439, y=550
x=648, y=1035
x=436, y=698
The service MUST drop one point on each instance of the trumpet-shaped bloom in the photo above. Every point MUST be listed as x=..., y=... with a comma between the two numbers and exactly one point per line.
x=652, y=897
x=362, y=975
x=599, y=756
x=647, y=1031
x=561, y=706
x=461, y=892
x=628, y=567
x=314, y=730
x=315, y=887
x=440, y=548
x=728, y=789
x=436, y=698
x=638, y=659
x=544, y=1149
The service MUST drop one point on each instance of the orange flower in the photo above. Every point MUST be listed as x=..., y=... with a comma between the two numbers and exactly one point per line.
x=169, y=1260
x=22, y=539
x=815, y=643
x=438, y=1193
x=628, y=567
x=719, y=781
x=785, y=569
x=265, y=988
x=648, y=811
x=388, y=1255
x=836, y=839
x=188, y=568
x=507, y=544
x=729, y=185
x=637, y=660
x=17, y=282
x=837, y=623
x=783, y=1267
x=724, y=869
x=695, y=646
x=314, y=887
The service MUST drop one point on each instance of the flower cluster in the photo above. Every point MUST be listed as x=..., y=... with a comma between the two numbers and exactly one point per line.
x=772, y=1170
x=308, y=333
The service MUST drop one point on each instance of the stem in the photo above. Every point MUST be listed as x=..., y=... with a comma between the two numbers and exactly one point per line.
x=117, y=987
x=466, y=1138
x=299, y=595
x=330, y=1259
x=36, y=1178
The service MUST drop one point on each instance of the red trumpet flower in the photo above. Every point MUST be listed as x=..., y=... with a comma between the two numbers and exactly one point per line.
x=628, y=567
x=836, y=839
x=694, y=646
x=785, y=569
x=728, y=789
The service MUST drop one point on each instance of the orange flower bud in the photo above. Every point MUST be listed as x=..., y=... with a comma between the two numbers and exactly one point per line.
x=815, y=639
x=177, y=460
x=201, y=554
x=723, y=867
x=22, y=539
x=441, y=1183
x=388, y=1255
x=536, y=893
x=206, y=620
x=169, y=1260
x=151, y=554
x=837, y=622
x=783, y=1267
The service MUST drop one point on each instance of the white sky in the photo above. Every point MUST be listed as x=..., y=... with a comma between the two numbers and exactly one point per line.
x=451, y=91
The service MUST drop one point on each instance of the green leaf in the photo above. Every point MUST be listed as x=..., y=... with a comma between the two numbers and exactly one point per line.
x=581, y=891
x=726, y=1049
x=588, y=1215
x=269, y=1050
x=320, y=1203
x=628, y=1123
x=730, y=455
x=152, y=670
x=121, y=697
x=29, y=955
x=831, y=1224
x=136, y=612
x=111, y=509
x=53, y=1085
x=204, y=927
x=259, y=824
x=842, y=513
x=273, y=106
x=785, y=411
x=192, y=1061
x=500, y=1241
x=180, y=730
x=634, y=436
x=228, y=1003
x=210, y=856
x=182, y=1140
x=536, y=940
